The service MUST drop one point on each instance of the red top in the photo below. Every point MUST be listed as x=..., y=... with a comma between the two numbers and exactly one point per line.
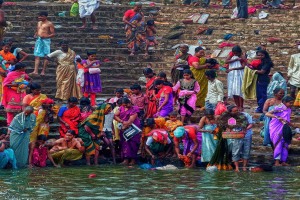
x=164, y=90
x=192, y=59
x=129, y=14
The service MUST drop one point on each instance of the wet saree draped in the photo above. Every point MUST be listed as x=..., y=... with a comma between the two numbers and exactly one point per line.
x=95, y=122
x=72, y=117
x=208, y=143
x=276, y=126
x=20, y=128
x=66, y=77
x=199, y=75
x=152, y=107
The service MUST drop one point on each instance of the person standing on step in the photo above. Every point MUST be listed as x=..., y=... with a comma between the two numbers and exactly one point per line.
x=181, y=63
x=294, y=72
x=225, y=3
x=242, y=6
x=215, y=93
x=92, y=81
x=66, y=86
x=87, y=8
x=44, y=33
x=263, y=79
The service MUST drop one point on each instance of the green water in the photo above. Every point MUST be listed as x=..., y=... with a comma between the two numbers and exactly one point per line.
x=115, y=182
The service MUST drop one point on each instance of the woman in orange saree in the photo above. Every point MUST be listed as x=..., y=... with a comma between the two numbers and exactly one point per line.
x=35, y=98
x=150, y=92
x=69, y=117
x=14, y=90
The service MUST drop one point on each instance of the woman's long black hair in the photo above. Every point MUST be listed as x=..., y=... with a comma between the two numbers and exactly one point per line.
x=267, y=59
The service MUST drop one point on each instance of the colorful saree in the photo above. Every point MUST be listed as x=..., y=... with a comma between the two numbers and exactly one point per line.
x=41, y=127
x=208, y=143
x=190, y=134
x=20, y=128
x=267, y=139
x=130, y=147
x=72, y=117
x=66, y=75
x=95, y=122
x=152, y=106
x=135, y=37
x=276, y=126
x=13, y=97
x=34, y=101
x=199, y=75
x=167, y=108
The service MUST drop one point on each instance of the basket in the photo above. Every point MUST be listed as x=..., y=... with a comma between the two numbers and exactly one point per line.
x=233, y=135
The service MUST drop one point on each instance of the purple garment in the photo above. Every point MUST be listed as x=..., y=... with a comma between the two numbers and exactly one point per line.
x=130, y=148
x=276, y=126
x=92, y=82
x=189, y=144
x=167, y=109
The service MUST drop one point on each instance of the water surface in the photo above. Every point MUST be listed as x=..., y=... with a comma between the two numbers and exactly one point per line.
x=116, y=182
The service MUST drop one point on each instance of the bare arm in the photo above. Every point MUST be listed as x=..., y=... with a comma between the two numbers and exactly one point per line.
x=176, y=146
x=167, y=96
x=51, y=159
x=266, y=106
x=130, y=120
x=24, y=56
x=196, y=65
x=51, y=30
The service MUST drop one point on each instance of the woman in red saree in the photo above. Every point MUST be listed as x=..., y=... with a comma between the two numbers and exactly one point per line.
x=14, y=90
x=69, y=117
x=150, y=92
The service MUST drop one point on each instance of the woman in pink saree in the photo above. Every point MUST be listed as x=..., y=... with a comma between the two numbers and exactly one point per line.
x=14, y=90
x=281, y=115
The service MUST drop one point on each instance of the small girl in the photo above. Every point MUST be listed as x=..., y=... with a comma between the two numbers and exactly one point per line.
x=81, y=71
x=40, y=153
x=92, y=81
x=85, y=108
x=188, y=88
x=207, y=125
x=119, y=94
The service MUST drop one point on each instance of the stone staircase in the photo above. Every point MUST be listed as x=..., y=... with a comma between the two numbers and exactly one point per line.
x=123, y=70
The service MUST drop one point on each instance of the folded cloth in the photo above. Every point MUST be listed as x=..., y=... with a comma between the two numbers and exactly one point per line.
x=249, y=83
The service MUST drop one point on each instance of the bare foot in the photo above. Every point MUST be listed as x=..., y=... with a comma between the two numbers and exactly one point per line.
x=42, y=73
x=244, y=169
x=191, y=167
x=285, y=164
x=132, y=54
x=94, y=27
x=33, y=74
x=125, y=162
x=237, y=170
x=82, y=27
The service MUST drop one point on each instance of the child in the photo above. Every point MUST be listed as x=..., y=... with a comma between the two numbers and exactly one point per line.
x=85, y=108
x=92, y=77
x=163, y=76
x=188, y=88
x=140, y=100
x=134, y=32
x=119, y=94
x=39, y=154
x=116, y=135
x=215, y=91
x=173, y=123
x=81, y=71
x=150, y=35
x=107, y=133
x=207, y=125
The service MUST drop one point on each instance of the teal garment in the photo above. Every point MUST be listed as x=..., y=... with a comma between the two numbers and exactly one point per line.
x=157, y=147
x=277, y=81
x=208, y=143
x=8, y=156
x=20, y=128
x=267, y=139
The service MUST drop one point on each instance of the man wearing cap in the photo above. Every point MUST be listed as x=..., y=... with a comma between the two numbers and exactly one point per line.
x=294, y=71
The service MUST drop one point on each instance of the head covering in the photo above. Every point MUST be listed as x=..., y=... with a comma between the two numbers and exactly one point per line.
x=179, y=132
x=96, y=120
x=159, y=136
x=277, y=82
x=47, y=101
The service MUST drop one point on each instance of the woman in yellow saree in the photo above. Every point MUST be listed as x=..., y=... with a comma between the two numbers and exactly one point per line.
x=65, y=73
x=35, y=98
x=198, y=67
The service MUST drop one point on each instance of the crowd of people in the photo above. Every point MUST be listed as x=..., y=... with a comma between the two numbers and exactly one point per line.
x=151, y=125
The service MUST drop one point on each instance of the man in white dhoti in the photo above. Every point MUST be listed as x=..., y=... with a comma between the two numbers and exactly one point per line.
x=87, y=8
x=294, y=72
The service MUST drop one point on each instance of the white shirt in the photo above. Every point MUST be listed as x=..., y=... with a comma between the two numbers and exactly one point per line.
x=215, y=91
x=108, y=122
x=150, y=140
x=294, y=70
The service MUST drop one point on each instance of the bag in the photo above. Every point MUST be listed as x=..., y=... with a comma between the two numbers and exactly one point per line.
x=287, y=133
x=220, y=108
x=131, y=131
x=94, y=70
x=74, y=11
x=262, y=132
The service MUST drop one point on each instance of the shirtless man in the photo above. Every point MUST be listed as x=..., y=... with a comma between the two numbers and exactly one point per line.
x=2, y=21
x=44, y=33
x=67, y=148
